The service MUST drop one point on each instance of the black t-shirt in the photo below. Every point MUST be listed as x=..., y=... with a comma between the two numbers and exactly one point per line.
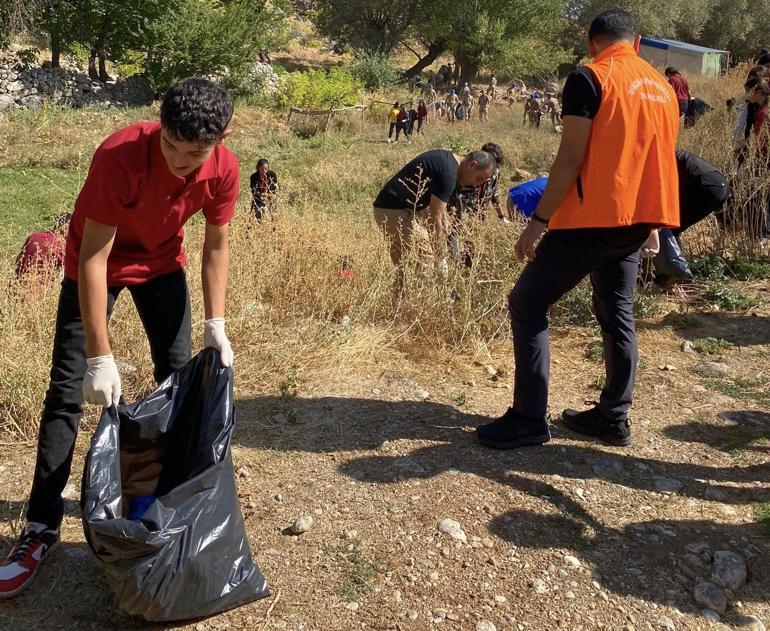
x=431, y=173
x=582, y=94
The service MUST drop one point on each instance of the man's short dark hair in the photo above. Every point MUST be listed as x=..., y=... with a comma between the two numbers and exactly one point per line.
x=196, y=110
x=613, y=25
x=764, y=60
x=483, y=160
x=670, y=71
x=495, y=150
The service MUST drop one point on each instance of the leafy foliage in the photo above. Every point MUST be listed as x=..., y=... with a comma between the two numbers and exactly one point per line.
x=208, y=37
x=315, y=89
x=375, y=71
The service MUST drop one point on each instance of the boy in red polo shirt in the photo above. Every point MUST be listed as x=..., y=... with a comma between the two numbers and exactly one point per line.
x=144, y=183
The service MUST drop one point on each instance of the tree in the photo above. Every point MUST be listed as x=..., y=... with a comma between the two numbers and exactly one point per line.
x=510, y=35
x=371, y=26
x=207, y=37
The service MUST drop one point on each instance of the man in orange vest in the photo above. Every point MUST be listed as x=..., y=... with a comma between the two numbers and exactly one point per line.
x=612, y=185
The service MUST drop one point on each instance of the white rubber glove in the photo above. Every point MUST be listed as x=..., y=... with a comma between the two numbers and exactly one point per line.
x=214, y=337
x=101, y=384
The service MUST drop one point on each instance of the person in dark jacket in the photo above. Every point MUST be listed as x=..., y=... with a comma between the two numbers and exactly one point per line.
x=264, y=188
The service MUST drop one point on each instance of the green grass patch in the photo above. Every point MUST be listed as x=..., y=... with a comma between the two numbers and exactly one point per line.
x=29, y=200
x=745, y=389
x=595, y=351
x=711, y=345
x=356, y=569
x=762, y=513
x=730, y=299
x=715, y=267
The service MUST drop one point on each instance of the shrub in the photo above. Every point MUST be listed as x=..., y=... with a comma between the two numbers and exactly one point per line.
x=711, y=345
x=315, y=89
x=730, y=299
x=375, y=71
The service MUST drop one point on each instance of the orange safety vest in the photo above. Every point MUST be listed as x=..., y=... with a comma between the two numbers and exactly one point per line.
x=629, y=174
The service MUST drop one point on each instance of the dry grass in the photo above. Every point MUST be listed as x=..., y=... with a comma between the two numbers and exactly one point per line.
x=289, y=307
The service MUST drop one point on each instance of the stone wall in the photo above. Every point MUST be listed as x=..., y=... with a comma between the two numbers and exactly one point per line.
x=30, y=86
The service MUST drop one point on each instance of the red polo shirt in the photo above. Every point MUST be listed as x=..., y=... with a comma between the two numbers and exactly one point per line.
x=129, y=186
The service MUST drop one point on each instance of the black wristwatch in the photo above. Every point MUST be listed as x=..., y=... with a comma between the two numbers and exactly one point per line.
x=536, y=217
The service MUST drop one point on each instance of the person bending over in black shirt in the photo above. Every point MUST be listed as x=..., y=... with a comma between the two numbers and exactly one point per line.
x=419, y=193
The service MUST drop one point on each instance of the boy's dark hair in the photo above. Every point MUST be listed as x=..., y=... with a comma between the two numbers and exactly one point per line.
x=482, y=159
x=196, y=110
x=759, y=71
x=614, y=25
x=670, y=71
x=495, y=150
x=764, y=60
x=262, y=161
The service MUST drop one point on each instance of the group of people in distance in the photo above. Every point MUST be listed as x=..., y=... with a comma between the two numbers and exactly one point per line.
x=617, y=187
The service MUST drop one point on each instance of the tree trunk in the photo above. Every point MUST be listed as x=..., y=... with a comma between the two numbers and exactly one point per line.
x=103, y=76
x=55, y=49
x=92, y=72
x=434, y=50
x=469, y=70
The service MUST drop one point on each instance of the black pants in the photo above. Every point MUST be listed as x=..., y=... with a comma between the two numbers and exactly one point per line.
x=391, y=129
x=164, y=308
x=563, y=258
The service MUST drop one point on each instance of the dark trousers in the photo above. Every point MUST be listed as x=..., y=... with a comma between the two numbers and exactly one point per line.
x=164, y=308
x=610, y=256
x=391, y=129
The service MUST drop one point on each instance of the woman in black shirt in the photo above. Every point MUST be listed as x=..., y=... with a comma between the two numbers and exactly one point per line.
x=264, y=188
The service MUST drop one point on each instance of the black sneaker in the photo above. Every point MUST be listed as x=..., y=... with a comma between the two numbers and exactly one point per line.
x=593, y=423
x=512, y=430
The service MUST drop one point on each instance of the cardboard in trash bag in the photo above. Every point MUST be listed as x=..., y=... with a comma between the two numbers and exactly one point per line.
x=187, y=554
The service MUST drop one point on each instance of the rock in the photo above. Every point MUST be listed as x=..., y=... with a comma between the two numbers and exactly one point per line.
x=686, y=347
x=520, y=175
x=713, y=369
x=452, y=528
x=243, y=472
x=71, y=493
x=666, y=623
x=488, y=543
x=352, y=606
x=302, y=525
x=667, y=485
x=439, y=615
x=752, y=623
x=572, y=561
x=485, y=625
x=729, y=570
x=6, y=102
x=421, y=394
x=709, y=596
x=345, y=322
x=607, y=467
x=699, y=389
x=412, y=614
x=409, y=465
x=539, y=586
x=710, y=614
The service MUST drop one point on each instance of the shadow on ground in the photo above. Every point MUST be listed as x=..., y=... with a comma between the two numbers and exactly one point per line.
x=738, y=329
x=640, y=553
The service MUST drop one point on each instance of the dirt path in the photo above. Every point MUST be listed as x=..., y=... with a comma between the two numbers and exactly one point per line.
x=570, y=535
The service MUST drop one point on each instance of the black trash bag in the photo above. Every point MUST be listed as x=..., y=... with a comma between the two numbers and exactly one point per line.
x=186, y=555
x=671, y=267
